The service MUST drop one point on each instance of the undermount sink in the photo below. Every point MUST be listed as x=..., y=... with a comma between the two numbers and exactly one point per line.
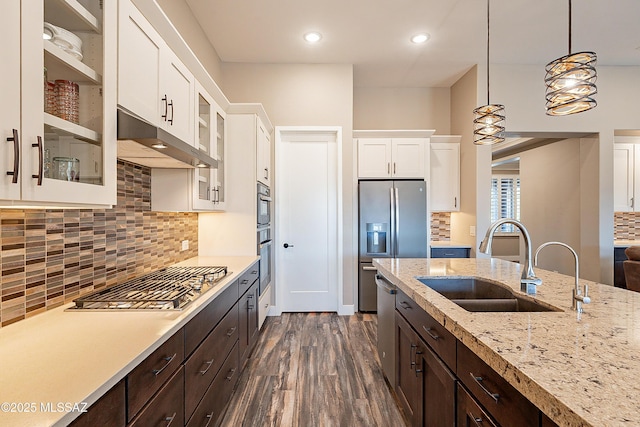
x=480, y=295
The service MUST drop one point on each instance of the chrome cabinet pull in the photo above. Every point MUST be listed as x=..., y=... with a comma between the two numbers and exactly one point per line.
x=16, y=156
x=170, y=419
x=479, y=380
x=414, y=348
x=169, y=359
x=476, y=420
x=210, y=418
x=166, y=107
x=209, y=363
x=231, y=331
x=231, y=374
x=431, y=334
x=405, y=305
x=40, y=160
x=250, y=306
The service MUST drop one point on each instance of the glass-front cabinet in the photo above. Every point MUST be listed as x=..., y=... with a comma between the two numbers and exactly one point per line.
x=60, y=148
x=209, y=192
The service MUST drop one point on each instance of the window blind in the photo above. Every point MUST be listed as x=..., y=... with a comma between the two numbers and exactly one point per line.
x=505, y=200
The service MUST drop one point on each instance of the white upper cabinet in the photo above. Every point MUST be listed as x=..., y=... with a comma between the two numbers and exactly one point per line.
x=391, y=157
x=445, y=174
x=374, y=157
x=59, y=104
x=407, y=157
x=152, y=82
x=263, y=164
x=626, y=174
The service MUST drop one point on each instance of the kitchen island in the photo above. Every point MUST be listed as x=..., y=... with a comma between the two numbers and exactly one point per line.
x=56, y=364
x=578, y=369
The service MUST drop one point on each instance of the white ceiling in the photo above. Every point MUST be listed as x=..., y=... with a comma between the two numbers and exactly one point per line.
x=374, y=34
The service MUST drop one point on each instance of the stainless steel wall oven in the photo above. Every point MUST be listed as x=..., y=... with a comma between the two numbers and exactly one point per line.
x=264, y=205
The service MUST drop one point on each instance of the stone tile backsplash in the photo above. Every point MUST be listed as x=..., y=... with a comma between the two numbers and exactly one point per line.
x=48, y=257
x=440, y=226
x=626, y=226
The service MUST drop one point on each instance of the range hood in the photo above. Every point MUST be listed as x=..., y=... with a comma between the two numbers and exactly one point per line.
x=148, y=145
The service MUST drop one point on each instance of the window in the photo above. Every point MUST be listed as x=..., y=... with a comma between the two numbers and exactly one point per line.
x=505, y=200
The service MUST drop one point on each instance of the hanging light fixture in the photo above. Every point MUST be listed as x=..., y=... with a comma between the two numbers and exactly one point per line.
x=488, y=125
x=570, y=82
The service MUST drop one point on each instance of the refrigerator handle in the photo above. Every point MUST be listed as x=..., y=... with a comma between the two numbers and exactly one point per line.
x=397, y=231
x=392, y=241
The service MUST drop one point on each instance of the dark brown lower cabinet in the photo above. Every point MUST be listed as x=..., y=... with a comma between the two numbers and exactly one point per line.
x=469, y=413
x=167, y=406
x=108, y=411
x=425, y=386
x=248, y=321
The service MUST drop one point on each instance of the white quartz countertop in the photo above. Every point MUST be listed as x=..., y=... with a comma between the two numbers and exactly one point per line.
x=625, y=243
x=74, y=357
x=580, y=370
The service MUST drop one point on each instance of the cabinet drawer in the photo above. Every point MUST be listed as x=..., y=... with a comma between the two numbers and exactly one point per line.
x=167, y=407
x=248, y=277
x=203, y=365
x=109, y=410
x=503, y=402
x=215, y=399
x=450, y=252
x=200, y=326
x=153, y=372
x=470, y=414
x=432, y=332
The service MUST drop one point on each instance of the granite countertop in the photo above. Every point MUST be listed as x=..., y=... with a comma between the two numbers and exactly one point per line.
x=448, y=244
x=75, y=357
x=578, y=369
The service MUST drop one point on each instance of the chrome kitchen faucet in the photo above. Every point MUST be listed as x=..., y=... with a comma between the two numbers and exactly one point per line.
x=529, y=282
x=578, y=297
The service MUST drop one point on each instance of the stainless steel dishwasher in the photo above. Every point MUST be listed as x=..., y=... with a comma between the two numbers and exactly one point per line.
x=386, y=327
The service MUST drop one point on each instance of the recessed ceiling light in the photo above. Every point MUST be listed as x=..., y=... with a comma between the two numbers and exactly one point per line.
x=420, y=38
x=312, y=37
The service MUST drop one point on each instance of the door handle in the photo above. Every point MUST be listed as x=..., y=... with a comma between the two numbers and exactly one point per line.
x=286, y=245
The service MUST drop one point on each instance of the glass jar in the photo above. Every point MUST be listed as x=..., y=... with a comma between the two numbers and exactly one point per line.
x=66, y=169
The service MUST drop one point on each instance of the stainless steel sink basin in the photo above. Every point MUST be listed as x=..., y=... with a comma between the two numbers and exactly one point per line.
x=481, y=295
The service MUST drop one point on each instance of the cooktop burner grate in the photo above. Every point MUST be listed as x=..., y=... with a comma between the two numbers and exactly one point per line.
x=170, y=288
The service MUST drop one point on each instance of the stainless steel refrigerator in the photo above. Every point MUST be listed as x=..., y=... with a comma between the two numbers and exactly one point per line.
x=392, y=224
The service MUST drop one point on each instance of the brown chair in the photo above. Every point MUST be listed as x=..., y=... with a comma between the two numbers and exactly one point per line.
x=632, y=268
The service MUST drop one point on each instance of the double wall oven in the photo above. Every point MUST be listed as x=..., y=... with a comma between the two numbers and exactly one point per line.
x=265, y=249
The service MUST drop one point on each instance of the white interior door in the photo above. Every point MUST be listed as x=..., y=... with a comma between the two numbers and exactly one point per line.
x=308, y=218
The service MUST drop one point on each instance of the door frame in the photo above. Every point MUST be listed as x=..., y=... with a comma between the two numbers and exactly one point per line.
x=280, y=135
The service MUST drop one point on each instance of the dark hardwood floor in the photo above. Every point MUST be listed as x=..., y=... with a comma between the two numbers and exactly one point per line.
x=314, y=369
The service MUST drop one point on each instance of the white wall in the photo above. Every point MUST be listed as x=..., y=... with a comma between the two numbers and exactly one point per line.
x=307, y=95
x=550, y=201
x=402, y=108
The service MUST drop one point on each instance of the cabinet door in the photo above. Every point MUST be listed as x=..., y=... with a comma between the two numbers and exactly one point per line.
x=10, y=107
x=437, y=389
x=67, y=151
x=220, y=173
x=406, y=378
x=176, y=96
x=469, y=412
x=109, y=410
x=445, y=177
x=248, y=321
x=374, y=158
x=139, y=64
x=167, y=407
x=623, y=177
x=263, y=169
x=407, y=155
x=203, y=188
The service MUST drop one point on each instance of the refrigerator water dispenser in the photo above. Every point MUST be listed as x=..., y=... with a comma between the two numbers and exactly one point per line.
x=376, y=238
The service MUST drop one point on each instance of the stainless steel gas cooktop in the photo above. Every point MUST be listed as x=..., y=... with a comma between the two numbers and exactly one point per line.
x=171, y=288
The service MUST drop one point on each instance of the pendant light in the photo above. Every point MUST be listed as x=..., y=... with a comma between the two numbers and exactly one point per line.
x=488, y=125
x=570, y=82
